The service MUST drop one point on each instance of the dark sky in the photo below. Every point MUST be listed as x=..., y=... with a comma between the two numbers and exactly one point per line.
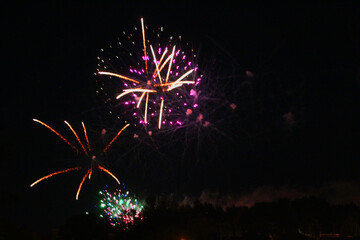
x=304, y=57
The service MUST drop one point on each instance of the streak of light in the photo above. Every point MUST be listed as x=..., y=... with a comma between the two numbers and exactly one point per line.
x=162, y=56
x=156, y=64
x=172, y=56
x=179, y=84
x=108, y=172
x=77, y=137
x=161, y=112
x=119, y=76
x=81, y=183
x=140, y=99
x=169, y=84
x=161, y=68
x=146, y=107
x=183, y=76
x=58, y=134
x=90, y=172
x=144, y=43
x=86, y=136
x=53, y=174
x=111, y=142
x=127, y=91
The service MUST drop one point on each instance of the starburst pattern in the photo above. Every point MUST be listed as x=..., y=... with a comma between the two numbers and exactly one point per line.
x=94, y=163
x=157, y=88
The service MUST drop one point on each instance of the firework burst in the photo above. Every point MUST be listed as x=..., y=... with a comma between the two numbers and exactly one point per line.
x=86, y=150
x=121, y=208
x=158, y=88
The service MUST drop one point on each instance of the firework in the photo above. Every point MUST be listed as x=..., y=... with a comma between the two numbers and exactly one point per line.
x=177, y=113
x=121, y=209
x=86, y=150
x=157, y=85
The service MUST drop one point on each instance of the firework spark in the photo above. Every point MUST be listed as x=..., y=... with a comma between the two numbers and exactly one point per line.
x=87, y=152
x=121, y=209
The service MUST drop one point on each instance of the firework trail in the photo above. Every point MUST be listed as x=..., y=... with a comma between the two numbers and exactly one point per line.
x=94, y=163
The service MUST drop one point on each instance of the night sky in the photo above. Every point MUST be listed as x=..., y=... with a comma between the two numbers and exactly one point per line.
x=294, y=130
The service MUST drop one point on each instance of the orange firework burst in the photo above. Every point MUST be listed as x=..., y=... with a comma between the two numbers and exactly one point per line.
x=87, y=152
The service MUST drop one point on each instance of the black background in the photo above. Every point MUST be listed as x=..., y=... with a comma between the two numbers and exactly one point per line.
x=305, y=60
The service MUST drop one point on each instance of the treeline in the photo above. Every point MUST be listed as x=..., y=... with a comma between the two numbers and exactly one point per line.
x=307, y=218
x=284, y=219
